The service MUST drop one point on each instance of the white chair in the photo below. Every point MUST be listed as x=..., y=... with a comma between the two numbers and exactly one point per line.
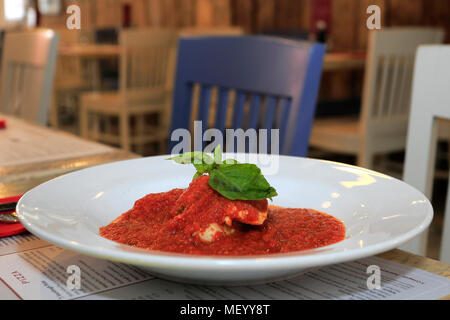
x=430, y=103
x=381, y=127
x=28, y=66
x=146, y=66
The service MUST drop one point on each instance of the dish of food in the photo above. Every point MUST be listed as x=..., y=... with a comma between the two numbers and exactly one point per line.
x=212, y=226
x=361, y=213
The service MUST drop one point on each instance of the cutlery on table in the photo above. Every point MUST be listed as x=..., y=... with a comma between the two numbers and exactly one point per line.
x=10, y=217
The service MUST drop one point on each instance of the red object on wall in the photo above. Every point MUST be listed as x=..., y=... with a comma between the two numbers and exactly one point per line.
x=321, y=10
x=2, y=124
x=126, y=15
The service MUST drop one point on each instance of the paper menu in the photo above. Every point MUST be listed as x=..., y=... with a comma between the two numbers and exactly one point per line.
x=339, y=282
x=31, y=268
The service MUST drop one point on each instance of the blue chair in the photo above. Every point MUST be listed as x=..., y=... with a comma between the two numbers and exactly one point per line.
x=283, y=74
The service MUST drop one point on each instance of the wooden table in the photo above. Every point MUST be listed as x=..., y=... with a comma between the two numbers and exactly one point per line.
x=344, y=61
x=19, y=179
x=91, y=53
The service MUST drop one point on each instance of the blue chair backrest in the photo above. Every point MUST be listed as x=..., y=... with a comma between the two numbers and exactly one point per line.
x=280, y=78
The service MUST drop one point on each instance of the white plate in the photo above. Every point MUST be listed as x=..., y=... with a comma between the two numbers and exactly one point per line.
x=379, y=213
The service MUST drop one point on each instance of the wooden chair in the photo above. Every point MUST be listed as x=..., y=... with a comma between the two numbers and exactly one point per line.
x=71, y=80
x=28, y=66
x=430, y=103
x=381, y=127
x=146, y=62
x=69, y=71
x=275, y=80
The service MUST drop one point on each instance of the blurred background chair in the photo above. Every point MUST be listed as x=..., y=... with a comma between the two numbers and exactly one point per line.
x=382, y=124
x=71, y=79
x=430, y=103
x=108, y=68
x=28, y=66
x=146, y=62
x=274, y=84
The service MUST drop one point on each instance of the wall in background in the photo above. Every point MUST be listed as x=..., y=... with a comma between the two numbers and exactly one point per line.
x=348, y=32
x=348, y=22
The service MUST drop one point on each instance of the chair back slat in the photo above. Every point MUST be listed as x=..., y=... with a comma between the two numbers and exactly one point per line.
x=404, y=103
x=283, y=118
x=238, y=115
x=222, y=108
x=28, y=65
x=270, y=106
x=393, y=89
x=403, y=85
x=257, y=70
x=255, y=106
x=381, y=97
x=203, y=107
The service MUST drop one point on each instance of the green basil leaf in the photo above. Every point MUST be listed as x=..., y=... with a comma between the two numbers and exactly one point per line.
x=196, y=175
x=233, y=180
x=241, y=182
x=230, y=161
x=203, y=168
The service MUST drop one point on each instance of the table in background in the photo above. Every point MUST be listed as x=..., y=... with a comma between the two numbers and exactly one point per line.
x=347, y=64
x=17, y=179
x=92, y=54
x=344, y=61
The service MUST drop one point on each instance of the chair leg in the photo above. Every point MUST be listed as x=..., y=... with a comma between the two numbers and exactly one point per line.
x=84, y=121
x=445, y=241
x=163, y=146
x=96, y=126
x=107, y=123
x=124, y=131
x=54, y=111
x=140, y=127
x=365, y=159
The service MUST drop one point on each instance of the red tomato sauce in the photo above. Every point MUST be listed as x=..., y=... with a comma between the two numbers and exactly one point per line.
x=172, y=221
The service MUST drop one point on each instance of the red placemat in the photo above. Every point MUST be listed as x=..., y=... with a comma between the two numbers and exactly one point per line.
x=7, y=230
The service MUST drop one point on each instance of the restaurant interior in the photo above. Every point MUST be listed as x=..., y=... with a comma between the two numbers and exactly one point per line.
x=111, y=72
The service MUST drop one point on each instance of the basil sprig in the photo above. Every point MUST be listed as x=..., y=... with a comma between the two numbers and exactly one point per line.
x=233, y=180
